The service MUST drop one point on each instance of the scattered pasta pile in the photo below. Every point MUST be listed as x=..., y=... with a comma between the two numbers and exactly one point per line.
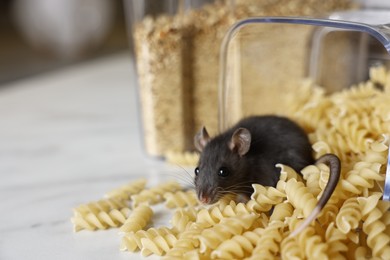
x=355, y=223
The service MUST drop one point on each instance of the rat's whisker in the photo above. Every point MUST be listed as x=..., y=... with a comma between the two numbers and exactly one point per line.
x=243, y=183
x=186, y=177
x=230, y=196
x=219, y=189
x=231, y=192
x=182, y=179
x=244, y=189
x=238, y=186
x=223, y=194
x=185, y=170
x=178, y=176
x=189, y=175
x=236, y=191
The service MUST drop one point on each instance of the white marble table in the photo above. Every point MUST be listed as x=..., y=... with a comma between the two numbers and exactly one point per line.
x=67, y=137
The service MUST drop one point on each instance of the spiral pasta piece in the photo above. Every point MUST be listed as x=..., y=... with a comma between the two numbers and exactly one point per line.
x=308, y=93
x=374, y=124
x=188, y=241
x=290, y=249
x=377, y=239
x=355, y=100
x=138, y=219
x=320, y=148
x=379, y=74
x=300, y=197
x=132, y=241
x=158, y=245
x=194, y=255
x=103, y=205
x=378, y=151
x=281, y=212
x=182, y=218
x=311, y=174
x=268, y=245
x=328, y=213
x=312, y=244
x=312, y=112
x=361, y=178
x=336, y=242
x=209, y=217
x=356, y=137
x=263, y=198
x=101, y=214
x=212, y=237
x=213, y=215
x=233, y=209
x=180, y=199
x=286, y=173
x=155, y=195
x=126, y=191
x=101, y=220
x=239, y=246
x=337, y=142
x=349, y=216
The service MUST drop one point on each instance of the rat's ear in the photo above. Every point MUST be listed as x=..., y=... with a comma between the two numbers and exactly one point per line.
x=241, y=141
x=201, y=139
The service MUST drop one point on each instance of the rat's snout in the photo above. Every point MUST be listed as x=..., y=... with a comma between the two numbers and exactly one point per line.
x=205, y=197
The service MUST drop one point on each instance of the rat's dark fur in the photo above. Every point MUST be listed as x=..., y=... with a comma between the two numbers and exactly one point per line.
x=273, y=140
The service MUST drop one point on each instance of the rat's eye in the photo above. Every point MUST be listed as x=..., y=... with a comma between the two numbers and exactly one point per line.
x=197, y=171
x=223, y=172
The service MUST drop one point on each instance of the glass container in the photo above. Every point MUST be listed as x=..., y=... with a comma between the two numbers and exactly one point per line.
x=265, y=61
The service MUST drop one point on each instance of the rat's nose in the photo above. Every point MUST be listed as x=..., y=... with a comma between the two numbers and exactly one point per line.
x=204, y=199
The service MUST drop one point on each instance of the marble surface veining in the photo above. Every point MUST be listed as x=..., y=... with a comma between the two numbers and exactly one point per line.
x=66, y=138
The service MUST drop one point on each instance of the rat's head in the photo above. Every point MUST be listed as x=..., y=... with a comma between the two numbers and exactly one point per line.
x=222, y=168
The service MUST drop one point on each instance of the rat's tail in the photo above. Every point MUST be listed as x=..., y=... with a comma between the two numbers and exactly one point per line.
x=335, y=168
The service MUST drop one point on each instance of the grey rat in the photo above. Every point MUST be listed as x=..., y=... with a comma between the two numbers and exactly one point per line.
x=248, y=152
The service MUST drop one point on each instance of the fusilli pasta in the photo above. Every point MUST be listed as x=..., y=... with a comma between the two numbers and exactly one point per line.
x=336, y=241
x=355, y=224
x=267, y=246
x=158, y=245
x=264, y=198
x=349, y=216
x=132, y=241
x=126, y=191
x=155, y=194
x=212, y=237
x=187, y=241
x=180, y=199
x=101, y=220
x=104, y=205
x=138, y=219
x=183, y=217
x=239, y=246
x=378, y=240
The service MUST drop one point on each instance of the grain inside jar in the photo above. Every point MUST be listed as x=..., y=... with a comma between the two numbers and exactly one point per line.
x=178, y=65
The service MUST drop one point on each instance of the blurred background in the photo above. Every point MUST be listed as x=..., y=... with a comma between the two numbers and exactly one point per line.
x=30, y=42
